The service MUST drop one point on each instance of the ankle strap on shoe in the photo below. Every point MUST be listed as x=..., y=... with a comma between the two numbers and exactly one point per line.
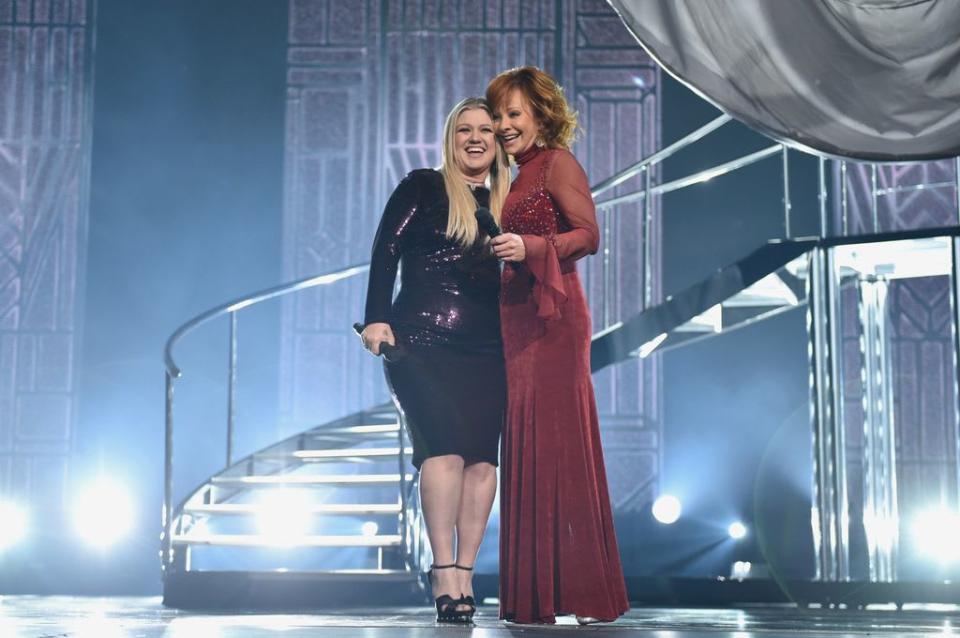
x=443, y=566
x=466, y=569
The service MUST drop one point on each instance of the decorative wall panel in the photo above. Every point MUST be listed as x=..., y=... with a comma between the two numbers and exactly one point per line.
x=368, y=87
x=45, y=62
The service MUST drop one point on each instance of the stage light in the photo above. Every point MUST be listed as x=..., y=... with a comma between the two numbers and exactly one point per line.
x=737, y=530
x=667, y=509
x=103, y=513
x=283, y=518
x=936, y=533
x=741, y=570
x=369, y=528
x=13, y=525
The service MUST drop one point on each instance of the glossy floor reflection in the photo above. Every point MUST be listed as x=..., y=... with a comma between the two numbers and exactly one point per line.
x=66, y=617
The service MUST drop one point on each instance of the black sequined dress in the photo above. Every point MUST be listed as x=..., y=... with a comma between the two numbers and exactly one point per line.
x=451, y=385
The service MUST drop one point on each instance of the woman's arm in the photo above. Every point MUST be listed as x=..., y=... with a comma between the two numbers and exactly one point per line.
x=568, y=186
x=387, y=248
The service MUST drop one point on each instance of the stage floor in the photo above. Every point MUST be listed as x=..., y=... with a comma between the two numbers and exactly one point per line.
x=68, y=617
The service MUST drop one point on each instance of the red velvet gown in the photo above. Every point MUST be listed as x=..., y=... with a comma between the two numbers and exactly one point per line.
x=558, y=547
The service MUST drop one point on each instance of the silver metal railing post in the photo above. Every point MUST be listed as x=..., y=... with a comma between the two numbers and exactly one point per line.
x=786, y=192
x=166, y=515
x=822, y=180
x=231, y=386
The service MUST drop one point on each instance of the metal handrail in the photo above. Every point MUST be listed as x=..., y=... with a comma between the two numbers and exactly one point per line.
x=694, y=178
x=657, y=157
x=253, y=299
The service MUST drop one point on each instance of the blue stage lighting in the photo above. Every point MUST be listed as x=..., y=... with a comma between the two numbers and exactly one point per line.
x=284, y=517
x=667, y=509
x=14, y=523
x=103, y=513
x=936, y=533
x=737, y=530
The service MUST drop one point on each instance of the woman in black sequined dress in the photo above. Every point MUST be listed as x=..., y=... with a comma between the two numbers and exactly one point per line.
x=450, y=386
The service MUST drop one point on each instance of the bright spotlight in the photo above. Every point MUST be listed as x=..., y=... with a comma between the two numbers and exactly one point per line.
x=283, y=518
x=737, y=530
x=741, y=570
x=13, y=525
x=103, y=514
x=667, y=509
x=936, y=533
x=369, y=528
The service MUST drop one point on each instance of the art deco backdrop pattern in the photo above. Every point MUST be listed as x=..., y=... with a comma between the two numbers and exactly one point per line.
x=44, y=172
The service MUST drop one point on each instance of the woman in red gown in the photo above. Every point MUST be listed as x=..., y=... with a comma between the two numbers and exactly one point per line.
x=558, y=547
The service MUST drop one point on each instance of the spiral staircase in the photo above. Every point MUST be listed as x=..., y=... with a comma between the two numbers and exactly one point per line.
x=330, y=516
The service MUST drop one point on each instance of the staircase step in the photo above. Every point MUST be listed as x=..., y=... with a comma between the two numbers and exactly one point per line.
x=379, y=428
x=308, y=479
x=257, y=540
x=356, y=452
x=243, y=509
x=349, y=453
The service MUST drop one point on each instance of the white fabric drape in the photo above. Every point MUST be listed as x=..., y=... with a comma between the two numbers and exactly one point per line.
x=868, y=79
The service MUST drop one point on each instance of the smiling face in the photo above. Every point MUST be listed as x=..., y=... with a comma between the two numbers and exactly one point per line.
x=475, y=143
x=516, y=125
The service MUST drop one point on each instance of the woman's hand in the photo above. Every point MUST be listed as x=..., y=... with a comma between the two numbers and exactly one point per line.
x=375, y=334
x=509, y=247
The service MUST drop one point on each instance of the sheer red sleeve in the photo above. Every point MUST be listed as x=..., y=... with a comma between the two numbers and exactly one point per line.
x=567, y=184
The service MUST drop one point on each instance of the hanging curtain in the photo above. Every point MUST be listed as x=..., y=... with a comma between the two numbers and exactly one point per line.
x=866, y=79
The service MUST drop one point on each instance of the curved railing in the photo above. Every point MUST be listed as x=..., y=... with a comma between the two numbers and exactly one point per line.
x=173, y=372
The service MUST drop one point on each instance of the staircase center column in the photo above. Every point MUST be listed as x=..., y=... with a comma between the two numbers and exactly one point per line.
x=830, y=508
x=881, y=518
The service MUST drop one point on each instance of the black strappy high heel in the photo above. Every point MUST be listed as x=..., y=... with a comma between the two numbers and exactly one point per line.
x=467, y=600
x=446, y=604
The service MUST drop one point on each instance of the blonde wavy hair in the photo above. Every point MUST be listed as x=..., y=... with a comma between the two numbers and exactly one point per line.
x=559, y=123
x=461, y=221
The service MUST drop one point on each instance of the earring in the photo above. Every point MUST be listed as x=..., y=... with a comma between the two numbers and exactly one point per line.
x=539, y=142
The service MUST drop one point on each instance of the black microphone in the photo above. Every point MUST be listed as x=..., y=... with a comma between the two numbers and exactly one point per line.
x=390, y=353
x=486, y=222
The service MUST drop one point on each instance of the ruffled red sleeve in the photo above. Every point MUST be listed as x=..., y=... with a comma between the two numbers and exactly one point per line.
x=549, y=292
x=568, y=187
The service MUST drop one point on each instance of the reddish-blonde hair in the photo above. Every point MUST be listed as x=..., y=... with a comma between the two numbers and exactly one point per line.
x=545, y=96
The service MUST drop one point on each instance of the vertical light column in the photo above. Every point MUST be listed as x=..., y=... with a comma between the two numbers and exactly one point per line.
x=829, y=511
x=881, y=519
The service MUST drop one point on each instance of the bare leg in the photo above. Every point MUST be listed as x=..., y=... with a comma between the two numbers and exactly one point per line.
x=479, y=490
x=441, y=482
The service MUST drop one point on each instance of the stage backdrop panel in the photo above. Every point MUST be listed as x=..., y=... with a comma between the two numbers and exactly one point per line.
x=369, y=84
x=45, y=62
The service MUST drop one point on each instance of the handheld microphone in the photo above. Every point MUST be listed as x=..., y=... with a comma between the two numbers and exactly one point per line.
x=486, y=222
x=390, y=353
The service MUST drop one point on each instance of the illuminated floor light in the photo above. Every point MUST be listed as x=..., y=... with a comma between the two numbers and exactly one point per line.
x=741, y=569
x=667, y=509
x=936, y=533
x=103, y=514
x=13, y=525
x=284, y=517
x=737, y=530
x=369, y=528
